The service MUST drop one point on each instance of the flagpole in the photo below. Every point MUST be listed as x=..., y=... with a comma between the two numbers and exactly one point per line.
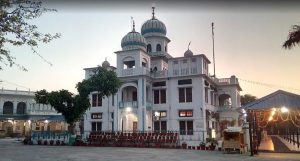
x=213, y=40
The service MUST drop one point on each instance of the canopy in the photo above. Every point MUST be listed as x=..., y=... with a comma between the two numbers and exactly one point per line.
x=279, y=98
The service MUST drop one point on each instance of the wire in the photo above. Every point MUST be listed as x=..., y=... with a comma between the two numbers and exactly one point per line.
x=269, y=85
x=11, y=83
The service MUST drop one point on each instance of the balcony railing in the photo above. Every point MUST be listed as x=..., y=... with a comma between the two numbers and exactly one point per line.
x=160, y=74
x=133, y=104
x=133, y=72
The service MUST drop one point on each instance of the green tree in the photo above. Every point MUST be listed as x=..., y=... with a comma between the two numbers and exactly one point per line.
x=293, y=37
x=16, y=30
x=71, y=106
x=247, y=98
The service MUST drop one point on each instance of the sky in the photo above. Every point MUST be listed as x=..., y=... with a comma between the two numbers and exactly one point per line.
x=248, y=41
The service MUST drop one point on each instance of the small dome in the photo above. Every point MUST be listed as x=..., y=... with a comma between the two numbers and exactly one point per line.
x=154, y=26
x=188, y=53
x=105, y=64
x=133, y=40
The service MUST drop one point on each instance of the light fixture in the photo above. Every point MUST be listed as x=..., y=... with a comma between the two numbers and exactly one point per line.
x=156, y=114
x=29, y=121
x=270, y=118
x=284, y=109
x=46, y=121
x=128, y=109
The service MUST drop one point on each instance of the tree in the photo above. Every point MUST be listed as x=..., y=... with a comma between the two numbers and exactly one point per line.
x=293, y=38
x=71, y=106
x=247, y=98
x=16, y=30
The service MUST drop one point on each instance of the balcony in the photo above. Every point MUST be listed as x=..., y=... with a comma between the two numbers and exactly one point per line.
x=133, y=104
x=225, y=81
x=133, y=72
x=160, y=74
x=149, y=106
x=227, y=108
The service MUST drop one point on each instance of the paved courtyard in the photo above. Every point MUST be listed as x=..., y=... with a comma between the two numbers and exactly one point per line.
x=11, y=150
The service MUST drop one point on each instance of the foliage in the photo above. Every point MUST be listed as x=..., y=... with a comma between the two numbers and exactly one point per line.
x=247, y=98
x=41, y=97
x=103, y=81
x=71, y=106
x=293, y=37
x=16, y=30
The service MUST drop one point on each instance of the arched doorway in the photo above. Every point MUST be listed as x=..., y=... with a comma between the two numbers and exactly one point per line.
x=225, y=100
x=129, y=122
x=8, y=108
x=8, y=127
x=21, y=108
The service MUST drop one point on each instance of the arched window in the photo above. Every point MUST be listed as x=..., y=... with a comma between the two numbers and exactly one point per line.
x=21, y=108
x=158, y=47
x=8, y=108
x=166, y=49
x=149, y=49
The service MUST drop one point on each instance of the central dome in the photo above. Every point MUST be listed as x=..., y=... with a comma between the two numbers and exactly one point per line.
x=133, y=40
x=154, y=26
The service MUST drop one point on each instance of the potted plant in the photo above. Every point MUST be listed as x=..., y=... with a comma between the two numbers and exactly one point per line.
x=45, y=142
x=57, y=142
x=184, y=145
x=202, y=145
x=51, y=142
x=39, y=142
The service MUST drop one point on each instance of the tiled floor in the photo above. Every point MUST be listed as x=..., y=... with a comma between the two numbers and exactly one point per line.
x=11, y=150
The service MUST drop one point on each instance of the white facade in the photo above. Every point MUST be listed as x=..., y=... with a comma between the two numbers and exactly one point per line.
x=20, y=114
x=160, y=92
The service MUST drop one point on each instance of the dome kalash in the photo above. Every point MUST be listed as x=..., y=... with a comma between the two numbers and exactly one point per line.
x=153, y=27
x=133, y=40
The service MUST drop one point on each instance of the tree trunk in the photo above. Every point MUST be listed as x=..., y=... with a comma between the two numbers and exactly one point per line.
x=71, y=128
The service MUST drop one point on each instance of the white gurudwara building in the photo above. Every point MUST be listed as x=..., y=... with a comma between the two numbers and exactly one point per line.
x=163, y=93
x=20, y=115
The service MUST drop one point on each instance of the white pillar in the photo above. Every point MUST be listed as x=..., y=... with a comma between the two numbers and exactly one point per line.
x=141, y=104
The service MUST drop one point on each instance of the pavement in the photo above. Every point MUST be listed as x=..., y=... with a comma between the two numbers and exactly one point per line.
x=13, y=150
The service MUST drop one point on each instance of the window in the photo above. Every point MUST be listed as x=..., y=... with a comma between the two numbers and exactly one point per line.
x=160, y=126
x=149, y=48
x=113, y=100
x=185, y=95
x=158, y=47
x=184, y=81
x=184, y=61
x=161, y=113
x=166, y=48
x=175, y=62
x=194, y=59
x=185, y=113
x=96, y=126
x=134, y=96
x=206, y=95
x=96, y=100
x=186, y=127
x=211, y=97
x=96, y=115
x=112, y=115
x=159, y=96
x=8, y=108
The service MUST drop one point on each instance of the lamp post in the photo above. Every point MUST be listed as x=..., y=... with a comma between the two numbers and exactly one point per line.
x=250, y=130
x=155, y=117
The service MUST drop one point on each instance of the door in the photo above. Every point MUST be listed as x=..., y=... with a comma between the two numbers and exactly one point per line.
x=134, y=127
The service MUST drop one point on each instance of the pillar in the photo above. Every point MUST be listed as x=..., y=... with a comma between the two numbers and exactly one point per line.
x=142, y=105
